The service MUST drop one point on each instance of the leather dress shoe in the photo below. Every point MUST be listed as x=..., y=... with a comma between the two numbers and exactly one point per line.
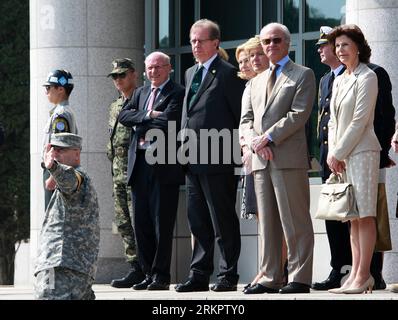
x=259, y=288
x=157, y=285
x=295, y=287
x=247, y=286
x=143, y=285
x=191, y=286
x=224, y=285
x=333, y=281
x=133, y=277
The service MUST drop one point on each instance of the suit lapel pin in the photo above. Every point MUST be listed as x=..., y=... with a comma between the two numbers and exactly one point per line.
x=213, y=71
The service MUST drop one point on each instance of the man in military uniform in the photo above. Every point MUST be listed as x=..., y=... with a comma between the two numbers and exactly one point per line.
x=69, y=239
x=59, y=86
x=125, y=81
x=338, y=233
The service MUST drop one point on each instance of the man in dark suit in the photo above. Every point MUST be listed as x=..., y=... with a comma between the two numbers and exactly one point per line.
x=338, y=233
x=212, y=102
x=152, y=173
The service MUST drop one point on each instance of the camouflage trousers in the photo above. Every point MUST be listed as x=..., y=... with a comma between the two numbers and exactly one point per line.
x=123, y=208
x=63, y=284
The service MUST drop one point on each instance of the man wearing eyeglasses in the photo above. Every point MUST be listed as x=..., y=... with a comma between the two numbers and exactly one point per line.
x=152, y=174
x=279, y=105
x=212, y=102
x=58, y=87
x=124, y=79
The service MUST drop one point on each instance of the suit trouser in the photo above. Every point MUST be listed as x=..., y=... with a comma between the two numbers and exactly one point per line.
x=339, y=242
x=212, y=217
x=338, y=236
x=155, y=208
x=283, y=200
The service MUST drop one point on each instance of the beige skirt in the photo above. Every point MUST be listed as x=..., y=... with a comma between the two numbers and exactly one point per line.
x=363, y=173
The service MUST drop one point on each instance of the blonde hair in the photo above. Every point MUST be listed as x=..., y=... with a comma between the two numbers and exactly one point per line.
x=238, y=50
x=252, y=43
x=223, y=54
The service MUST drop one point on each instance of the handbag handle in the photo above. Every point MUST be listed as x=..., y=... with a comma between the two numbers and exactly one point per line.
x=336, y=178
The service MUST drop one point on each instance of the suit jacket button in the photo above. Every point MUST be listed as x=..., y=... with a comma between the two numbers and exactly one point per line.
x=327, y=99
x=324, y=128
x=326, y=113
x=325, y=142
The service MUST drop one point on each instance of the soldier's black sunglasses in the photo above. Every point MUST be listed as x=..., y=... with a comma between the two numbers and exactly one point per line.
x=119, y=75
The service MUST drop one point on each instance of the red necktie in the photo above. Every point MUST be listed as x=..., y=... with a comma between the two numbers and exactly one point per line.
x=151, y=101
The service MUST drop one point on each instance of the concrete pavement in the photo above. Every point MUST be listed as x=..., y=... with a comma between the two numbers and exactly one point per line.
x=106, y=292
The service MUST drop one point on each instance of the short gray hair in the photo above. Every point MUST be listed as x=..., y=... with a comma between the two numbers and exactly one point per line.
x=280, y=26
x=159, y=54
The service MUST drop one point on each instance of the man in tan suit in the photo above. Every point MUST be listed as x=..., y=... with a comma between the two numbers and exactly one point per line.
x=273, y=123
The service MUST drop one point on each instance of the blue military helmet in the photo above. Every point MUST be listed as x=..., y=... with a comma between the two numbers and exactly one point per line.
x=62, y=78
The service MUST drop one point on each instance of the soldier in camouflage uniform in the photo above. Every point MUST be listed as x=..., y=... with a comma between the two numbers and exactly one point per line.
x=125, y=81
x=69, y=239
x=59, y=86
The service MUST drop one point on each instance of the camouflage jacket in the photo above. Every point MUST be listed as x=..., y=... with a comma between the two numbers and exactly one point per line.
x=119, y=135
x=62, y=119
x=70, y=233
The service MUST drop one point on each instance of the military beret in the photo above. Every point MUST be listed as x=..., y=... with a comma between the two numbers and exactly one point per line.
x=121, y=65
x=66, y=140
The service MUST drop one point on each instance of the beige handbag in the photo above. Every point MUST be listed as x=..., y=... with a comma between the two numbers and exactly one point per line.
x=336, y=200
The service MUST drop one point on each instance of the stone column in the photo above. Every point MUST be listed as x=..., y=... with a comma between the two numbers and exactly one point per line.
x=377, y=19
x=82, y=36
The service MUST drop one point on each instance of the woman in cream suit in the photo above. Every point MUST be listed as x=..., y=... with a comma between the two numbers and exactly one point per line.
x=354, y=148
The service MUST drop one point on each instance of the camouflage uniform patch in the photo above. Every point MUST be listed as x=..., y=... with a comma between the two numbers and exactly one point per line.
x=60, y=124
x=117, y=151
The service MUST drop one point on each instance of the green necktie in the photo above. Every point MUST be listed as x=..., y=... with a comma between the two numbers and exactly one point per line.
x=196, y=81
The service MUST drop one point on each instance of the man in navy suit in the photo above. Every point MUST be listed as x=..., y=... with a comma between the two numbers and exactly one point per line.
x=338, y=233
x=212, y=102
x=153, y=173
